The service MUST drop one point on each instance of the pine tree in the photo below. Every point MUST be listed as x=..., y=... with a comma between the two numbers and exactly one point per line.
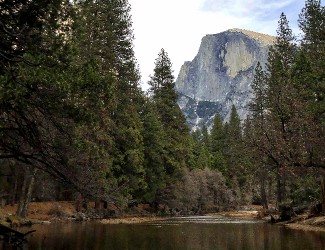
x=34, y=60
x=256, y=134
x=104, y=32
x=234, y=129
x=165, y=99
x=233, y=148
x=103, y=37
x=217, y=144
x=257, y=104
x=312, y=22
x=286, y=110
x=153, y=139
x=201, y=156
x=281, y=93
x=280, y=60
x=310, y=77
x=205, y=136
x=217, y=135
x=280, y=99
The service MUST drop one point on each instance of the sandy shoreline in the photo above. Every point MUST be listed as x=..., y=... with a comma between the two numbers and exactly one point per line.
x=305, y=227
x=133, y=220
x=251, y=214
x=316, y=224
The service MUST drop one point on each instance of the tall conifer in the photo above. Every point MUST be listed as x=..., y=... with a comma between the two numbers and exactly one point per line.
x=165, y=99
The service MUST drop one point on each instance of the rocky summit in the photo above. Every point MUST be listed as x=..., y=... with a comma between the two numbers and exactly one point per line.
x=220, y=75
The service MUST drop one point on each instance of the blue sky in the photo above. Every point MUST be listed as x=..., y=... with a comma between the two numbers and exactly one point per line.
x=179, y=25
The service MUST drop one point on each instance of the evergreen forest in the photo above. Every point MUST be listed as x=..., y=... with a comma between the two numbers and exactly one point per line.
x=75, y=123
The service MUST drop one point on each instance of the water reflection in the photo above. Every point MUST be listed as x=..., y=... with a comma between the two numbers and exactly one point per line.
x=180, y=233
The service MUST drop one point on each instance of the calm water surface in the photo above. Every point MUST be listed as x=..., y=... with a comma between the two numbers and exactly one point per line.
x=202, y=232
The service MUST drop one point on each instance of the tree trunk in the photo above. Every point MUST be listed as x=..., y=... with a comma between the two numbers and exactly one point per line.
x=280, y=188
x=270, y=188
x=13, y=186
x=263, y=190
x=97, y=204
x=29, y=193
x=322, y=184
x=22, y=194
x=13, y=194
x=26, y=196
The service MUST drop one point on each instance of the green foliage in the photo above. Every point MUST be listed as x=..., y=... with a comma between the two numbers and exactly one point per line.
x=287, y=126
x=217, y=145
x=217, y=136
x=233, y=144
x=71, y=105
x=154, y=150
x=234, y=128
x=304, y=189
x=201, y=157
x=32, y=77
x=176, y=139
x=257, y=104
x=311, y=22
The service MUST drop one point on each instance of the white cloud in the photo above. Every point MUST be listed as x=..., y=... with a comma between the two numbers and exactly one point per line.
x=246, y=8
x=179, y=25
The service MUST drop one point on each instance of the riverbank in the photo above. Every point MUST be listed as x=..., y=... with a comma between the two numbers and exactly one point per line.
x=43, y=211
x=64, y=211
x=302, y=222
x=316, y=224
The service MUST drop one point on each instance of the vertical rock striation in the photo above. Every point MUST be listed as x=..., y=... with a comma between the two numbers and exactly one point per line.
x=220, y=75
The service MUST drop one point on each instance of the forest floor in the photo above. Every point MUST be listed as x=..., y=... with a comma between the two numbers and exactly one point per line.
x=46, y=212
x=43, y=211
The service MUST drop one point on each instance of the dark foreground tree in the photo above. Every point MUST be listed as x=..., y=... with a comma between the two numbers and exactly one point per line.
x=68, y=106
x=34, y=59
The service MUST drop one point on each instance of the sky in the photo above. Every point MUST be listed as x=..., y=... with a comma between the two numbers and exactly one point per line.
x=178, y=26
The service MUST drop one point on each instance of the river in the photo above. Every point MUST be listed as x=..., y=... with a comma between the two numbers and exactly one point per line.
x=202, y=232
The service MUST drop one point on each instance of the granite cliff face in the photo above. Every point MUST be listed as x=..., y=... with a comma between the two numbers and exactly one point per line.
x=220, y=75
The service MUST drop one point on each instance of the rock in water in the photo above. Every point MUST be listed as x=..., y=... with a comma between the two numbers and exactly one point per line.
x=221, y=75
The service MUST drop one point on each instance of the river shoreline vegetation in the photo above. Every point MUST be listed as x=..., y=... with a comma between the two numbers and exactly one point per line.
x=76, y=126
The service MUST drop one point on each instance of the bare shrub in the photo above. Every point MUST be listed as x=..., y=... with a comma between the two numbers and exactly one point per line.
x=198, y=191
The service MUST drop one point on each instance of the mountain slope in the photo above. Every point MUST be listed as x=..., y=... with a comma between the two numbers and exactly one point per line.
x=220, y=75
